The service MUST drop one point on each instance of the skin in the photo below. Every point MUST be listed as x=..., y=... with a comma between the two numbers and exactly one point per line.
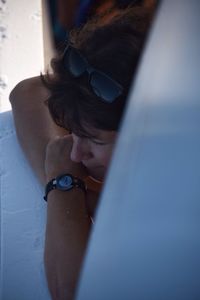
x=33, y=123
x=95, y=152
x=51, y=151
x=68, y=226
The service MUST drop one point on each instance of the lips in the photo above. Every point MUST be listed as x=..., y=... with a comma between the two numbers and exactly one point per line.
x=97, y=172
x=90, y=168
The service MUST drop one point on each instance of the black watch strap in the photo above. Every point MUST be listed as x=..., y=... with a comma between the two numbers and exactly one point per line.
x=64, y=182
x=49, y=187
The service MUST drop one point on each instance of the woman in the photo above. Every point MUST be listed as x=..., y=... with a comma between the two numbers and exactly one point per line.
x=86, y=96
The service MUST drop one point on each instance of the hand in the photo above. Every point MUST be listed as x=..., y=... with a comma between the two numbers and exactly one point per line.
x=57, y=160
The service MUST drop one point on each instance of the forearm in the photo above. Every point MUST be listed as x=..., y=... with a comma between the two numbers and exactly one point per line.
x=67, y=234
x=33, y=123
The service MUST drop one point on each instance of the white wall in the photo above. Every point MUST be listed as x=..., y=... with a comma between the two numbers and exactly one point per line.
x=21, y=44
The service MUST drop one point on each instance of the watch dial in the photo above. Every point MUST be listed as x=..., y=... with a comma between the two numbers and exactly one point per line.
x=65, y=182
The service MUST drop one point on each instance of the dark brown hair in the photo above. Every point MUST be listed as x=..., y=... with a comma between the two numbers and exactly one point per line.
x=112, y=45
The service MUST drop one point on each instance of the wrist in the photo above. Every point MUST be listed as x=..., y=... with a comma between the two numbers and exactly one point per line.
x=64, y=183
x=82, y=173
x=67, y=207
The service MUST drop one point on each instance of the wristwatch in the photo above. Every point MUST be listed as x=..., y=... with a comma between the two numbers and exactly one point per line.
x=64, y=182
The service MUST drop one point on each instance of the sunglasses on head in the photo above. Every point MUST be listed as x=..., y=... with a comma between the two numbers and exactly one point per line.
x=102, y=85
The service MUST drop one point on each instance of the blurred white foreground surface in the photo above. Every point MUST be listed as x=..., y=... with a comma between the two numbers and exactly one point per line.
x=23, y=217
x=146, y=241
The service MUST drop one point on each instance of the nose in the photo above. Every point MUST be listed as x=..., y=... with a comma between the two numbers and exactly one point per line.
x=80, y=149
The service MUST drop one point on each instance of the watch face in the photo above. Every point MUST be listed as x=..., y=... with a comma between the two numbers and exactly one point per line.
x=64, y=182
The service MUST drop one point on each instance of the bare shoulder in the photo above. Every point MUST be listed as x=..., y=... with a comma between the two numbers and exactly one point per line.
x=33, y=123
x=31, y=88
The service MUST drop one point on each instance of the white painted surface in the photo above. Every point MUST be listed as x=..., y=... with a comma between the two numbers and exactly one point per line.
x=23, y=217
x=146, y=242
x=21, y=44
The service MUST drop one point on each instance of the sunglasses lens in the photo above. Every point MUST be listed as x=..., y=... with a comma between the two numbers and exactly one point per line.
x=105, y=87
x=76, y=63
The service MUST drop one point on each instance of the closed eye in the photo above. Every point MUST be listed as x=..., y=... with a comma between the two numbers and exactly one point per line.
x=98, y=142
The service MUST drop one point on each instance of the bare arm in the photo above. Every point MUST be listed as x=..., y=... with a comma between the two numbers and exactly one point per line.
x=66, y=234
x=68, y=223
x=33, y=123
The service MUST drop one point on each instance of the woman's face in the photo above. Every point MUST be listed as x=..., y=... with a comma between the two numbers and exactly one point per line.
x=94, y=152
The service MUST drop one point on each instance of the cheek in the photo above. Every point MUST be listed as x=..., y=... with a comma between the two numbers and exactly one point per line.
x=103, y=154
